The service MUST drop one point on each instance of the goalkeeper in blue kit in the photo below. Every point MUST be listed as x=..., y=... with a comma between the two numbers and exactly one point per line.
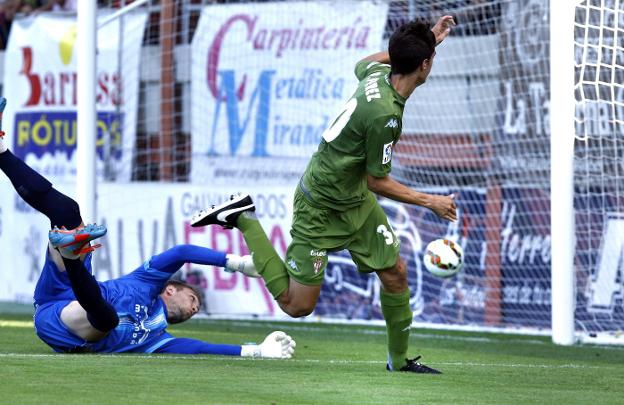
x=75, y=313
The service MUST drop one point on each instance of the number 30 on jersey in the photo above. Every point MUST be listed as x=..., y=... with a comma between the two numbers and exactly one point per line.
x=339, y=122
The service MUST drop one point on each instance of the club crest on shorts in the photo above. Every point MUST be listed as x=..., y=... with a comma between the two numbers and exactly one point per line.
x=317, y=263
x=387, y=153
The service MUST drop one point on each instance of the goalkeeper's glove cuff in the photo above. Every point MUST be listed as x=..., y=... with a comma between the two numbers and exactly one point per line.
x=251, y=350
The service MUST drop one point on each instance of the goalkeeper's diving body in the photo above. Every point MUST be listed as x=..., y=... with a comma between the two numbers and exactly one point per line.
x=334, y=204
x=75, y=313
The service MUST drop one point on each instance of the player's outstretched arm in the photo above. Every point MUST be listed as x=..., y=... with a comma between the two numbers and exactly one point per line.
x=174, y=258
x=381, y=57
x=442, y=28
x=276, y=345
x=442, y=206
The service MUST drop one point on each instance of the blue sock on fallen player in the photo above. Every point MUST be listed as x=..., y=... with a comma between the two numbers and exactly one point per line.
x=101, y=315
x=38, y=192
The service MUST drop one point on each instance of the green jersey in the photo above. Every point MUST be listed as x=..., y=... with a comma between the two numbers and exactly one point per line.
x=358, y=142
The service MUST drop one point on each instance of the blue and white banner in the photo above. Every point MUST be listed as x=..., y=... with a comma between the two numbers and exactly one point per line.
x=40, y=83
x=146, y=219
x=266, y=82
x=143, y=220
x=523, y=298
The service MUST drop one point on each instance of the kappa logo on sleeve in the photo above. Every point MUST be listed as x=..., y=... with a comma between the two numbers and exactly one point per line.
x=387, y=153
x=392, y=123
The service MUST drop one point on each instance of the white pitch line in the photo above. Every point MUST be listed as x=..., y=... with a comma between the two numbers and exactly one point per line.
x=61, y=356
x=364, y=331
x=379, y=331
x=382, y=331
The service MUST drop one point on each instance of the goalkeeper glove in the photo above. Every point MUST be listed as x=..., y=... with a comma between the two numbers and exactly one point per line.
x=278, y=345
x=243, y=264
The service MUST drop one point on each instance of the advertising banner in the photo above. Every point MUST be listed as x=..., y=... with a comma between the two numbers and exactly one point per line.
x=146, y=219
x=40, y=83
x=266, y=85
x=522, y=141
x=459, y=300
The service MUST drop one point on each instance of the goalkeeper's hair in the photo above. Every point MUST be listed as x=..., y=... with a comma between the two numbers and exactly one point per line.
x=179, y=285
x=410, y=45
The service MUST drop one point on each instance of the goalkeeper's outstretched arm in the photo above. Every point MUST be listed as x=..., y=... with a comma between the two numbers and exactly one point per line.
x=277, y=345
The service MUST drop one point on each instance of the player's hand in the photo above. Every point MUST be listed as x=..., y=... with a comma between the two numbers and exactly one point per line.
x=278, y=345
x=443, y=28
x=444, y=206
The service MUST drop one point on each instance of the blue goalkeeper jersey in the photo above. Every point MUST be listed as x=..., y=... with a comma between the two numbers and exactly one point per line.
x=135, y=297
x=142, y=313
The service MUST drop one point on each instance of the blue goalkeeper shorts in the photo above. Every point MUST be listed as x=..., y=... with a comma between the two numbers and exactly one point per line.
x=53, y=293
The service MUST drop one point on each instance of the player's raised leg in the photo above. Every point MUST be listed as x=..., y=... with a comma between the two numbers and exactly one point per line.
x=93, y=317
x=294, y=298
x=69, y=238
x=35, y=189
x=239, y=212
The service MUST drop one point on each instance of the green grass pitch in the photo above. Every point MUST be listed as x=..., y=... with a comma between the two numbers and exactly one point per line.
x=334, y=364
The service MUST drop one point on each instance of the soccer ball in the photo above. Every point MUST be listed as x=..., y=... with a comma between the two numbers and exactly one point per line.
x=443, y=258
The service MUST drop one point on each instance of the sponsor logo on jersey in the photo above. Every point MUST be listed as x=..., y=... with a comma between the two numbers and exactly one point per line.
x=386, y=154
x=318, y=252
x=392, y=123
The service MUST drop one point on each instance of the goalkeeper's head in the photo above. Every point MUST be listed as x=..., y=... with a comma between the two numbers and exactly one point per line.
x=411, y=49
x=182, y=301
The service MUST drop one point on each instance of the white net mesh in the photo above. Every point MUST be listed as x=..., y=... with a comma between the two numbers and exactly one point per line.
x=599, y=30
x=234, y=97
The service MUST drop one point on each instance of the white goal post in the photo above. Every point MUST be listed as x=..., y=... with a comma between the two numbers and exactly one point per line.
x=561, y=169
x=86, y=39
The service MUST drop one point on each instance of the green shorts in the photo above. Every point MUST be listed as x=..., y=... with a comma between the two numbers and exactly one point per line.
x=364, y=231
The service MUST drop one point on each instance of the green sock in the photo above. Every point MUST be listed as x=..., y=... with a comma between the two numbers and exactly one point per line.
x=267, y=261
x=398, y=315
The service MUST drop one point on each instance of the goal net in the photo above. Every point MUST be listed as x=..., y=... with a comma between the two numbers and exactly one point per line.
x=598, y=157
x=249, y=94
x=233, y=96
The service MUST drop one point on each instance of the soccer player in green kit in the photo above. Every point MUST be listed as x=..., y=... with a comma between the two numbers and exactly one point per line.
x=335, y=207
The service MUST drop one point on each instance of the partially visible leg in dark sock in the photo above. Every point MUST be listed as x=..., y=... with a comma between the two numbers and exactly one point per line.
x=100, y=313
x=38, y=192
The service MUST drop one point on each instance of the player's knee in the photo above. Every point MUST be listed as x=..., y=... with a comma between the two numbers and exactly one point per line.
x=401, y=272
x=299, y=312
x=394, y=279
x=297, y=309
